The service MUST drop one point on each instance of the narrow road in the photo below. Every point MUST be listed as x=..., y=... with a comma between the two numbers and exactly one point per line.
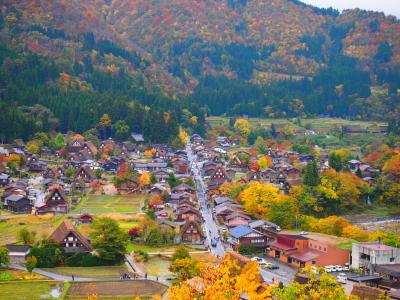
x=211, y=229
x=61, y=277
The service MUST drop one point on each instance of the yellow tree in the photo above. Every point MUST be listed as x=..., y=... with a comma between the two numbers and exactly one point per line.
x=15, y=159
x=226, y=281
x=243, y=126
x=265, y=162
x=144, y=179
x=183, y=136
x=258, y=197
x=150, y=153
x=323, y=287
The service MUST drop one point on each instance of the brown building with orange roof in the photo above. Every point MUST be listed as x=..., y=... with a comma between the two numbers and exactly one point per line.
x=299, y=251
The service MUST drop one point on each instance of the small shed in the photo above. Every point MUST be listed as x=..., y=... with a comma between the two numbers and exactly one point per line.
x=18, y=253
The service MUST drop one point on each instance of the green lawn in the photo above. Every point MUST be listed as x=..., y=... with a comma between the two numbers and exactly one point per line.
x=90, y=272
x=145, y=248
x=157, y=266
x=110, y=204
x=21, y=290
x=346, y=245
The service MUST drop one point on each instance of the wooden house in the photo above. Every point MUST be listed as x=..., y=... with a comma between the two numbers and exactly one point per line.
x=85, y=173
x=68, y=237
x=55, y=202
x=191, y=232
x=18, y=203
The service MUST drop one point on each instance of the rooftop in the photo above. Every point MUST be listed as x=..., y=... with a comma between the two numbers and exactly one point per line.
x=240, y=231
x=377, y=246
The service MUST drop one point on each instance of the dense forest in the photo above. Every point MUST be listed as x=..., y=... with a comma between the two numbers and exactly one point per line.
x=33, y=99
x=63, y=64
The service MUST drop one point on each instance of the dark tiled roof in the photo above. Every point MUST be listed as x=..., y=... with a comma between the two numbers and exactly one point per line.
x=18, y=248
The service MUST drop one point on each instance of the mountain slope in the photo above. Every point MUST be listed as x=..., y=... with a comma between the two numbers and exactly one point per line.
x=177, y=46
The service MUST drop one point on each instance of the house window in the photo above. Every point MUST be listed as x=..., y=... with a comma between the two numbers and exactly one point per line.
x=392, y=259
x=313, y=262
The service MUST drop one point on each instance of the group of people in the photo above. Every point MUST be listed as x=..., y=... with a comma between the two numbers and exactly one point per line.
x=128, y=277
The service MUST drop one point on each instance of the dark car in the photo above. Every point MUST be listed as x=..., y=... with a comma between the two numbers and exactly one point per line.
x=273, y=267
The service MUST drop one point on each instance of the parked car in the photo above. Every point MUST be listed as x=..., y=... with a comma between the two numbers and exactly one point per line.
x=260, y=260
x=341, y=278
x=346, y=268
x=339, y=268
x=213, y=243
x=303, y=233
x=334, y=269
x=273, y=267
x=328, y=269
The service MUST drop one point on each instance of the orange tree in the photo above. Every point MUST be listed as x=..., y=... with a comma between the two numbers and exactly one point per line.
x=225, y=281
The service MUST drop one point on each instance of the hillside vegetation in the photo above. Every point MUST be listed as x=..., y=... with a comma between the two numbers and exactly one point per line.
x=272, y=58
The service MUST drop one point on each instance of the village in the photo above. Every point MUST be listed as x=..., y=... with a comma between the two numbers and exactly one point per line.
x=179, y=194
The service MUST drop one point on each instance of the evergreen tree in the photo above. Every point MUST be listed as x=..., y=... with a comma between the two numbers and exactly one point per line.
x=311, y=176
x=335, y=162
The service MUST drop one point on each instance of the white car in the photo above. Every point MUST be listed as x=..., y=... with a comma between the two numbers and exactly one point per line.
x=339, y=268
x=328, y=269
x=341, y=278
x=346, y=268
x=334, y=269
x=260, y=260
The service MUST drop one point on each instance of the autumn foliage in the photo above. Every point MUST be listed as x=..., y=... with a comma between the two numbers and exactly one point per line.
x=227, y=280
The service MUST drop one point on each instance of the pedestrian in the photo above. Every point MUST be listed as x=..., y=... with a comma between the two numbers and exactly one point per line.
x=145, y=275
x=73, y=278
x=157, y=278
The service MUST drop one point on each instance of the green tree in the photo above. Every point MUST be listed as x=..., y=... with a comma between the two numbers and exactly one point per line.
x=121, y=130
x=70, y=172
x=335, y=162
x=49, y=254
x=260, y=145
x=180, y=253
x=109, y=240
x=59, y=141
x=26, y=237
x=4, y=256
x=172, y=180
x=153, y=178
x=31, y=263
x=384, y=53
x=311, y=176
x=98, y=173
x=283, y=213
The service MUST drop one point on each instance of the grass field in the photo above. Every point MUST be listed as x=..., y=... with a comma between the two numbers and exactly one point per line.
x=42, y=225
x=145, y=248
x=90, y=272
x=156, y=266
x=115, y=290
x=110, y=204
x=320, y=125
x=11, y=274
x=29, y=290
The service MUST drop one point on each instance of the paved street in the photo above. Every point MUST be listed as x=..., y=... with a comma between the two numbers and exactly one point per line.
x=283, y=274
x=210, y=227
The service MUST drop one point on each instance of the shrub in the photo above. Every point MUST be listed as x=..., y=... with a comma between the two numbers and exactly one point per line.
x=85, y=260
x=247, y=249
x=141, y=256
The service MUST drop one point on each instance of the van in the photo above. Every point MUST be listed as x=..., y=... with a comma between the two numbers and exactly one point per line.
x=341, y=278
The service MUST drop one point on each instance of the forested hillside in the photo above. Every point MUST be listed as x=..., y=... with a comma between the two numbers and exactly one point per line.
x=275, y=58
